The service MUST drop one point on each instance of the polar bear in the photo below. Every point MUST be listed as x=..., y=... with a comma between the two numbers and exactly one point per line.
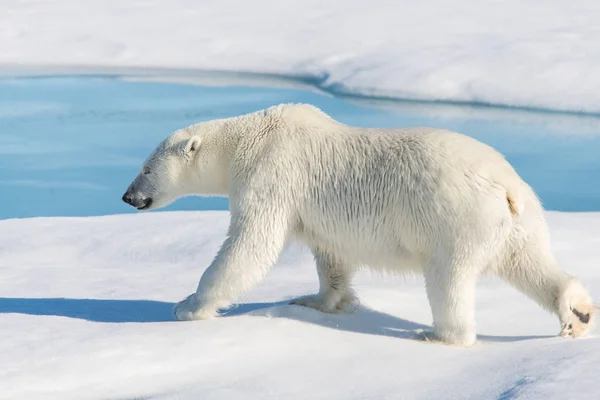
x=421, y=200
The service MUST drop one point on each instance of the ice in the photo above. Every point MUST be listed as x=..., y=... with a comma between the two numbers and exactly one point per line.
x=86, y=302
x=86, y=313
x=540, y=54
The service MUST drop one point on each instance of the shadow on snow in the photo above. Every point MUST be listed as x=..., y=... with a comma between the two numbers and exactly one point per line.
x=362, y=320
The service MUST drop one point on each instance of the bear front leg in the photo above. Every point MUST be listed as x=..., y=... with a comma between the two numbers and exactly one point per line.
x=335, y=293
x=451, y=294
x=254, y=243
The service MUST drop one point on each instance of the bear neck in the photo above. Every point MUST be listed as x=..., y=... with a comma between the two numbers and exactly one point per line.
x=227, y=137
x=223, y=138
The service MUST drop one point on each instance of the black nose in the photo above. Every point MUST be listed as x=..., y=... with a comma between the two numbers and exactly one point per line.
x=127, y=198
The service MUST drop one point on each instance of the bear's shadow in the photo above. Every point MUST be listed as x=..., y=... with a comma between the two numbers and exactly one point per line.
x=362, y=320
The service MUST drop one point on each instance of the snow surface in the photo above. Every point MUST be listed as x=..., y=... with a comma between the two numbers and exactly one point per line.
x=540, y=54
x=86, y=304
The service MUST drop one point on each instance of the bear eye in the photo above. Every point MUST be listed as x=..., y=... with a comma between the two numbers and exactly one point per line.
x=146, y=171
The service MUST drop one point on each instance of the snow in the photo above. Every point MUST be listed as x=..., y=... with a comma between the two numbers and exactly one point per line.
x=86, y=308
x=536, y=54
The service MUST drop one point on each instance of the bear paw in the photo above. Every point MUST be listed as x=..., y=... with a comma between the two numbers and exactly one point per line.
x=577, y=323
x=464, y=339
x=190, y=309
x=575, y=310
x=329, y=303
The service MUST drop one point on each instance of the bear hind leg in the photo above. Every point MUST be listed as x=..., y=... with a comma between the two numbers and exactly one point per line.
x=537, y=275
x=451, y=293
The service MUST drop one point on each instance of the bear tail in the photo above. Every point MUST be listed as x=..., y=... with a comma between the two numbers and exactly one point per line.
x=515, y=207
x=514, y=197
x=508, y=179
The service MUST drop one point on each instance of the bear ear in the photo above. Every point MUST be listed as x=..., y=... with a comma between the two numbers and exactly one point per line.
x=191, y=146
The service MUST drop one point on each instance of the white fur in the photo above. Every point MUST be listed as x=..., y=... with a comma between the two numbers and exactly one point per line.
x=421, y=200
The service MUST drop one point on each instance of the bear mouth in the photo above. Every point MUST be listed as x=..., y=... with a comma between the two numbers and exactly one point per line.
x=146, y=205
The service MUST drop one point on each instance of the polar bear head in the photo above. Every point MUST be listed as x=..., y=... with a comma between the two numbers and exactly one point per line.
x=181, y=165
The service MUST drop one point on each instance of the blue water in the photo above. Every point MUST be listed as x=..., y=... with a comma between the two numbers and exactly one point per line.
x=70, y=146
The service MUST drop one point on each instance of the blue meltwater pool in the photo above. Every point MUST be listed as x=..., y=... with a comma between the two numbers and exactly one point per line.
x=70, y=146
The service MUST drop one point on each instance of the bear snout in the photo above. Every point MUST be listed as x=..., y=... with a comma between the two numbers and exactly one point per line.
x=140, y=202
x=127, y=198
